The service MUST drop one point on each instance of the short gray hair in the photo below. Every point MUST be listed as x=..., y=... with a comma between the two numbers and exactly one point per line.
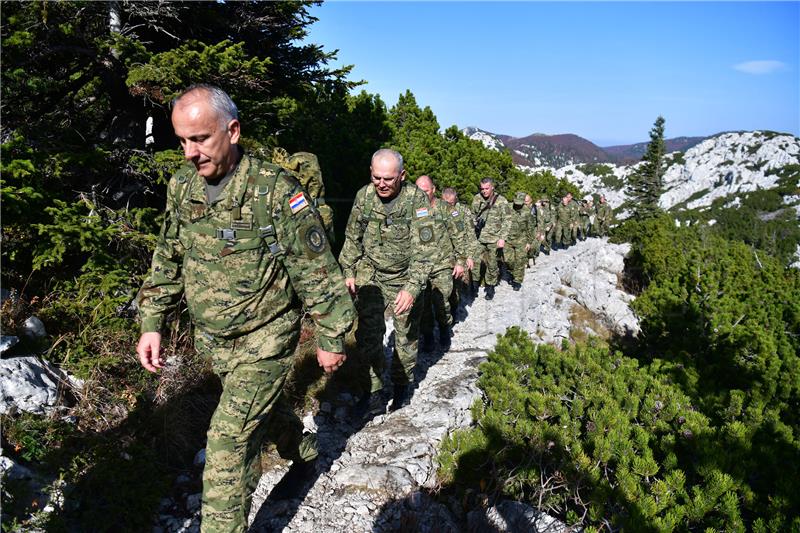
x=449, y=191
x=387, y=152
x=219, y=100
x=484, y=181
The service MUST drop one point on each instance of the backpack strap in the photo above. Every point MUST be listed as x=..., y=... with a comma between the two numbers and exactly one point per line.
x=263, y=191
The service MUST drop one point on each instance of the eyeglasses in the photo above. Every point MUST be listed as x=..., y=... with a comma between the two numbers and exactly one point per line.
x=384, y=179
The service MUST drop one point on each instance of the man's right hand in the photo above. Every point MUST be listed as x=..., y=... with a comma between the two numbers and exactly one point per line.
x=149, y=350
x=351, y=285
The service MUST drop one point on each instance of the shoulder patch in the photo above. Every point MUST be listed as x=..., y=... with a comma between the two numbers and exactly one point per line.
x=422, y=212
x=298, y=202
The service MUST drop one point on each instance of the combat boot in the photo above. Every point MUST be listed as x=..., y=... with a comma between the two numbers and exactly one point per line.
x=516, y=286
x=401, y=396
x=489, y=292
x=370, y=405
x=444, y=338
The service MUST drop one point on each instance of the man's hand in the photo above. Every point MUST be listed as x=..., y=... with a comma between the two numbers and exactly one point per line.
x=501, y=243
x=149, y=350
x=527, y=247
x=403, y=302
x=330, y=361
x=351, y=285
x=458, y=271
x=470, y=263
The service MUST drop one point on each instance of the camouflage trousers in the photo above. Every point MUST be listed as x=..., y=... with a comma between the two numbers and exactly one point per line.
x=566, y=233
x=490, y=265
x=375, y=305
x=436, y=301
x=516, y=259
x=601, y=227
x=585, y=227
x=251, y=409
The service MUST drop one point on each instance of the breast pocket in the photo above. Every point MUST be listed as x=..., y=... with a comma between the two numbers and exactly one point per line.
x=245, y=264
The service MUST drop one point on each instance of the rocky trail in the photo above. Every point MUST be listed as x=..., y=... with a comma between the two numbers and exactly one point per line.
x=371, y=478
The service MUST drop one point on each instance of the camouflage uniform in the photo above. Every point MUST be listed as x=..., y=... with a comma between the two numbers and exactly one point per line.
x=244, y=281
x=566, y=223
x=519, y=235
x=602, y=218
x=545, y=224
x=447, y=253
x=468, y=247
x=388, y=247
x=585, y=213
x=496, y=225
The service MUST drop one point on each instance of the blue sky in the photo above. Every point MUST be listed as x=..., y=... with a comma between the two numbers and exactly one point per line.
x=601, y=70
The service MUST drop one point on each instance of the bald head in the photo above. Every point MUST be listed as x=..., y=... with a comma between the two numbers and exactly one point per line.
x=426, y=184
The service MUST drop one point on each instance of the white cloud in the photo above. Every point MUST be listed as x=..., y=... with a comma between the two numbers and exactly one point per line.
x=760, y=67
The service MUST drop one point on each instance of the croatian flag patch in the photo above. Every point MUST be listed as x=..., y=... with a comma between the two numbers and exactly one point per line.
x=422, y=212
x=298, y=202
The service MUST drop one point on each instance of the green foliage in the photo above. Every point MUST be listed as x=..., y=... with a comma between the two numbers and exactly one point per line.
x=591, y=432
x=646, y=183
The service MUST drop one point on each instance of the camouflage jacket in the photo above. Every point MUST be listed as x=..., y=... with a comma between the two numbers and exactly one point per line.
x=545, y=218
x=603, y=213
x=496, y=219
x=567, y=215
x=392, y=243
x=448, y=246
x=521, y=227
x=236, y=275
x=468, y=246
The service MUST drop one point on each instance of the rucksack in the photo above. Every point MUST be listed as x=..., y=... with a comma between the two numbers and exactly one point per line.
x=306, y=167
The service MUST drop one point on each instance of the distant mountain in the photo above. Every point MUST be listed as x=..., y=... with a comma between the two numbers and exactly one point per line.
x=541, y=150
x=631, y=153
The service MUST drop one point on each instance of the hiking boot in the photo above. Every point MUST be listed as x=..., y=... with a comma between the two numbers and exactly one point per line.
x=489, y=292
x=444, y=338
x=427, y=344
x=400, y=397
x=295, y=481
x=516, y=286
x=370, y=405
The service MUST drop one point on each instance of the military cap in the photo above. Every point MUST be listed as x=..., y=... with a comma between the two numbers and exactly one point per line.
x=519, y=198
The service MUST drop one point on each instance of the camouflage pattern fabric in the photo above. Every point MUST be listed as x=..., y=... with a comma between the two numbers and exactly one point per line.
x=468, y=247
x=449, y=252
x=545, y=224
x=520, y=234
x=388, y=248
x=603, y=217
x=305, y=166
x=496, y=226
x=567, y=220
x=245, y=301
x=585, y=215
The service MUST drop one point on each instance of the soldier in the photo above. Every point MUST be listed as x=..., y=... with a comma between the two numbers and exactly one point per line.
x=603, y=217
x=519, y=239
x=448, y=264
x=241, y=241
x=545, y=223
x=387, y=258
x=586, y=216
x=492, y=221
x=468, y=243
x=533, y=245
x=566, y=222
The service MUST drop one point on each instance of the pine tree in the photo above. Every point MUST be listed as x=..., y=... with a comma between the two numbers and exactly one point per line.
x=646, y=184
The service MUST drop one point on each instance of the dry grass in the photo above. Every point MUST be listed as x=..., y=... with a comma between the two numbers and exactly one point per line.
x=582, y=319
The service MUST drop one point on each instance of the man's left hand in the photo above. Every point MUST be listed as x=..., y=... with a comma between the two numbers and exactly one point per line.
x=501, y=243
x=330, y=361
x=403, y=302
x=458, y=272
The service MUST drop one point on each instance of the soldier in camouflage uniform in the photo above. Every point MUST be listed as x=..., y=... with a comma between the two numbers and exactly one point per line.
x=586, y=216
x=448, y=264
x=603, y=217
x=533, y=245
x=468, y=244
x=566, y=222
x=519, y=240
x=545, y=223
x=241, y=241
x=386, y=258
x=492, y=221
